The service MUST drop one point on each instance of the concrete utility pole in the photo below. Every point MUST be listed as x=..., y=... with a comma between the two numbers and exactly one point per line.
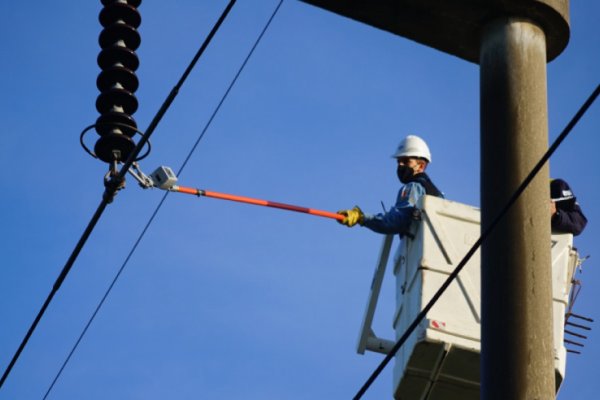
x=517, y=357
x=512, y=40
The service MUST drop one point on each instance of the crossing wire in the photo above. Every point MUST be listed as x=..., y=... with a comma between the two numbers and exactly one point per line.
x=479, y=241
x=111, y=189
x=160, y=204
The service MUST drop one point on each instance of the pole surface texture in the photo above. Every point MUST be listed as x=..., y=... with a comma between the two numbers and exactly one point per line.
x=517, y=355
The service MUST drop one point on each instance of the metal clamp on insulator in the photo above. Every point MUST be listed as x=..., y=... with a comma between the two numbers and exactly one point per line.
x=113, y=182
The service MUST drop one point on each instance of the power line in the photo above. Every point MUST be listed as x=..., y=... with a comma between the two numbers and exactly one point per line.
x=111, y=188
x=160, y=204
x=231, y=85
x=479, y=241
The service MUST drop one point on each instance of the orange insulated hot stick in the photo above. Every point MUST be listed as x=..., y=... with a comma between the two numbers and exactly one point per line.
x=258, y=202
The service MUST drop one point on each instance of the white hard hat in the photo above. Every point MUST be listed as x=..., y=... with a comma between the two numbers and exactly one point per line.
x=413, y=146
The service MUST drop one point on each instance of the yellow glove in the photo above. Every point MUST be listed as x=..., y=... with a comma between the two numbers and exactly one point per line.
x=352, y=217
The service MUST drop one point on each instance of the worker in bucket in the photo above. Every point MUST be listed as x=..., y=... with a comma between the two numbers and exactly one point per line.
x=566, y=213
x=413, y=156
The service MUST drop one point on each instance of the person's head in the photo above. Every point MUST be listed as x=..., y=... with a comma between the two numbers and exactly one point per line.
x=561, y=194
x=413, y=156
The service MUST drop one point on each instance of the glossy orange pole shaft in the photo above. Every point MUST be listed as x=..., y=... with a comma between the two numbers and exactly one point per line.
x=258, y=202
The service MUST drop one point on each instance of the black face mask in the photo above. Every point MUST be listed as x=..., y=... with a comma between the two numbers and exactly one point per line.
x=405, y=173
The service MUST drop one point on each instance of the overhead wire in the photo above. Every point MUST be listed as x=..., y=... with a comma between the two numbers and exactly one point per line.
x=160, y=204
x=111, y=188
x=540, y=164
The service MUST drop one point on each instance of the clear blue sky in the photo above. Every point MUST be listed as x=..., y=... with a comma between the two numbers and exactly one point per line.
x=224, y=300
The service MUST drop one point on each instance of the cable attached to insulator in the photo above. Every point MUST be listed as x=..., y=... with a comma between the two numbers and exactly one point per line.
x=110, y=192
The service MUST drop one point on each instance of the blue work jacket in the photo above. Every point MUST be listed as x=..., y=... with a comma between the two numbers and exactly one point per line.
x=400, y=216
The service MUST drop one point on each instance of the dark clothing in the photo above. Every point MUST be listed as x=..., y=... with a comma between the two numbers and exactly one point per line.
x=430, y=188
x=568, y=218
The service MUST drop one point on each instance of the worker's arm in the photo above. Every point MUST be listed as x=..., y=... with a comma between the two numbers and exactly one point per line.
x=570, y=220
x=398, y=218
